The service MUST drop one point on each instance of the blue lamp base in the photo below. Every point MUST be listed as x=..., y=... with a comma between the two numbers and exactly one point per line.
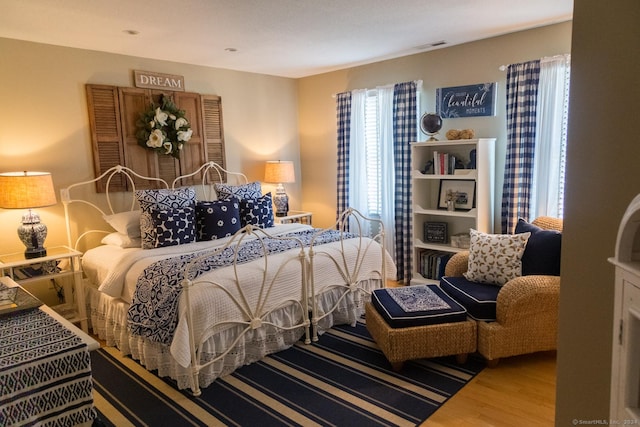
x=32, y=233
x=281, y=201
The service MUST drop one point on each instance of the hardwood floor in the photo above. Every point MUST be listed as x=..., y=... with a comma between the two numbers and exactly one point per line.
x=520, y=391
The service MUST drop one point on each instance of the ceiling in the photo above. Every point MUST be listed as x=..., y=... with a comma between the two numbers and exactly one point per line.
x=289, y=38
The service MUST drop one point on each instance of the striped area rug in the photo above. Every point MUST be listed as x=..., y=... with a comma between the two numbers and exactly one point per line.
x=341, y=380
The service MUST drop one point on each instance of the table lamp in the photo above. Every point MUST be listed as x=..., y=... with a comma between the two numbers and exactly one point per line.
x=280, y=172
x=28, y=190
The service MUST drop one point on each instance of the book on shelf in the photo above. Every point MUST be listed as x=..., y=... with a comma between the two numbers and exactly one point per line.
x=444, y=163
x=432, y=263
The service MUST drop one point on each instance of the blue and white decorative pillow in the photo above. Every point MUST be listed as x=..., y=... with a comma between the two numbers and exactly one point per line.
x=495, y=258
x=162, y=199
x=258, y=212
x=174, y=226
x=218, y=219
x=252, y=190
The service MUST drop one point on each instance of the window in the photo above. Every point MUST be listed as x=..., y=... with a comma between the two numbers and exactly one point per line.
x=372, y=155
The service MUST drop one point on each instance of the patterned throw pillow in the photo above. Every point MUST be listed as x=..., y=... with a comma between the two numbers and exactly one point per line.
x=215, y=220
x=160, y=200
x=252, y=190
x=495, y=258
x=174, y=226
x=258, y=212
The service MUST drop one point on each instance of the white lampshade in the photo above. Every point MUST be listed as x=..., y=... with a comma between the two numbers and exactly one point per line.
x=25, y=190
x=279, y=172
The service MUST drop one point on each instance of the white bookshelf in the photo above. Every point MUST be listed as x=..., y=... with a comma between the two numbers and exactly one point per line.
x=426, y=192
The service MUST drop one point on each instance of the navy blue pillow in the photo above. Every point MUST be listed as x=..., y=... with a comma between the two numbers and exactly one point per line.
x=542, y=253
x=218, y=219
x=174, y=226
x=258, y=212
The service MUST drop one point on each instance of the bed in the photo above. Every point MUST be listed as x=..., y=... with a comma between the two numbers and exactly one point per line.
x=196, y=308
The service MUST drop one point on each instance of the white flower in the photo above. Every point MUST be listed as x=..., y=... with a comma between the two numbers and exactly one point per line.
x=152, y=124
x=180, y=144
x=168, y=147
x=185, y=135
x=180, y=122
x=155, y=139
x=161, y=117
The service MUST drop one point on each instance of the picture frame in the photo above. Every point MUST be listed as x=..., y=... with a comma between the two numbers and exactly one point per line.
x=463, y=190
x=435, y=232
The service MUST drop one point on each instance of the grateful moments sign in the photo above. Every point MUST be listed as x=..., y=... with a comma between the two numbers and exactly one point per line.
x=151, y=80
x=466, y=101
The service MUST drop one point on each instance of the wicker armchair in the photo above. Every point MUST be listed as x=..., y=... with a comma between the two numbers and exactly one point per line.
x=526, y=311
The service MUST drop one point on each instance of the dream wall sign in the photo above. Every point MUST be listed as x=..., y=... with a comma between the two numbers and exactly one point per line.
x=152, y=80
x=466, y=101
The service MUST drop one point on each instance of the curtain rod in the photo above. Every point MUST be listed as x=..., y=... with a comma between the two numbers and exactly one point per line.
x=417, y=82
x=546, y=58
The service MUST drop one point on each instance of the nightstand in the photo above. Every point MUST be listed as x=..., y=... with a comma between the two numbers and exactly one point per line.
x=21, y=270
x=300, y=217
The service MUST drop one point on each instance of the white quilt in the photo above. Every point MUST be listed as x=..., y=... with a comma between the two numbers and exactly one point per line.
x=115, y=271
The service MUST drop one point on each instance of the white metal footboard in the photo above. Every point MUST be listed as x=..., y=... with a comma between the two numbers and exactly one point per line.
x=352, y=261
x=254, y=305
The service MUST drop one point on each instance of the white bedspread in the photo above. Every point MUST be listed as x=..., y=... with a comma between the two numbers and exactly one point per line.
x=115, y=270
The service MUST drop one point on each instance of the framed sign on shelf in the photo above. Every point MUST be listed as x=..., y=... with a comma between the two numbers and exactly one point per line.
x=435, y=232
x=461, y=192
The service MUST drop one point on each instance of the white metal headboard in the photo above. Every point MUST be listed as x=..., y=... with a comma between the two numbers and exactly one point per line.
x=206, y=182
x=129, y=174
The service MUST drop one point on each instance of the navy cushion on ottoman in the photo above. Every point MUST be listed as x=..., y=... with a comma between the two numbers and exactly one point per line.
x=416, y=306
x=478, y=298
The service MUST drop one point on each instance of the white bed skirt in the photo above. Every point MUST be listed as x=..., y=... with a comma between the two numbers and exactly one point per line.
x=108, y=319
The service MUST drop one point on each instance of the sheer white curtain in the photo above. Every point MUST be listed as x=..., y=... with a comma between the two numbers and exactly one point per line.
x=358, y=191
x=547, y=196
x=387, y=166
x=373, y=195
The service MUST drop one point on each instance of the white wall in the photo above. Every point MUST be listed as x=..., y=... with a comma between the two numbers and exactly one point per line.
x=602, y=179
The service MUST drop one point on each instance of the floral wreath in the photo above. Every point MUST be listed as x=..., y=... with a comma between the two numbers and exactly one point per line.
x=164, y=129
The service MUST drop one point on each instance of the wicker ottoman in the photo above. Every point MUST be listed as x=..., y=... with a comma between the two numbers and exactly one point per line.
x=400, y=344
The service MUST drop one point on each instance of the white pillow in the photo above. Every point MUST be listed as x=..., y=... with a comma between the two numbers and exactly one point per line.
x=122, y=240
x=125, y=222
x=495, y=258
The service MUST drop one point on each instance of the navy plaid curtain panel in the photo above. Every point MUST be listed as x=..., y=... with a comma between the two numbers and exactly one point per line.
x=405, y=130
x=343, y=106
x=522, y=93
x=405, y=125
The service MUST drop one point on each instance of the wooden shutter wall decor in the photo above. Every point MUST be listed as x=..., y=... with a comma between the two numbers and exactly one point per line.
x=113, y=113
